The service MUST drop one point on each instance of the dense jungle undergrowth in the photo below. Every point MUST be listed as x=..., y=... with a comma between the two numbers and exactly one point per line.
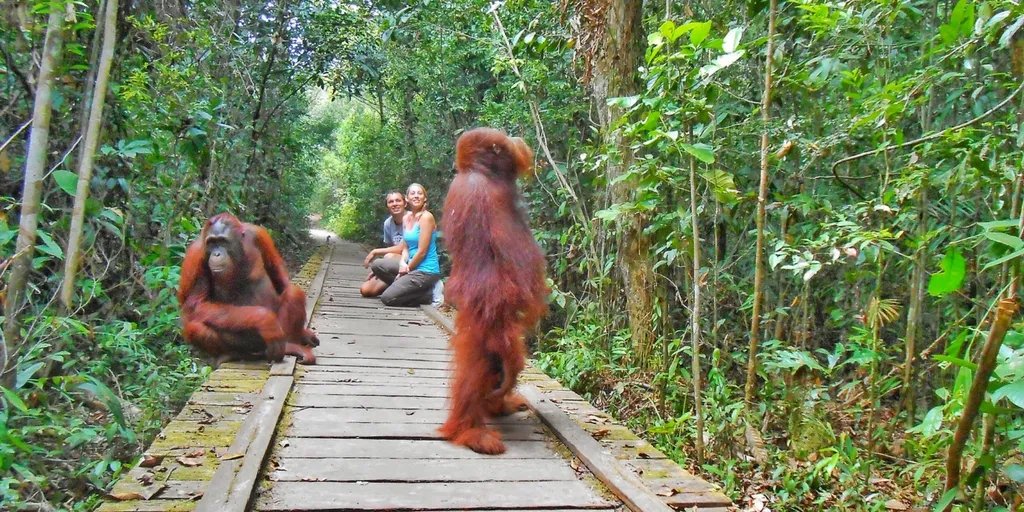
x=784, y=236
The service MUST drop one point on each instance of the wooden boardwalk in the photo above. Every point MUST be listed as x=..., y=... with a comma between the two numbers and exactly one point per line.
x=358, y=432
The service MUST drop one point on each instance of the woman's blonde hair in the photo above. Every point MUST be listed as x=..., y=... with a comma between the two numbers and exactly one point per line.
x=411, y=185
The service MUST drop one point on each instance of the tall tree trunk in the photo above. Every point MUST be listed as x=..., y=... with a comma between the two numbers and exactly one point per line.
x=254, y=133
x=916, y=306
x=35, y=166
x=695, y=315
x=409, y=123
x=617, y=55
x=92, y=135
x=766, y=101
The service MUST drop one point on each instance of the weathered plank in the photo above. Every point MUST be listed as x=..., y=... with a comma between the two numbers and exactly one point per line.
x=325, y=416
x=422, y=470
x=328, y=364
x=403, y=449
x=331, y=355
x=429, y=496
x=426, y=431
x=355, y=372
x=378, y=379
x=306, y=399
x=369, y=389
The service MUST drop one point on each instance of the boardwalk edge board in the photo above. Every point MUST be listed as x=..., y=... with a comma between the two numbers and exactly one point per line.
x=439, y=318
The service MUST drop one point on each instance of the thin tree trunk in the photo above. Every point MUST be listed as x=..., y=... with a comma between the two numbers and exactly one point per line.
x=695, y=315
x=72, y=256
x=90, y=80
x=916, y=305
x=873, y=313
x=35, y=166
x=986, y=365
x=755, y=322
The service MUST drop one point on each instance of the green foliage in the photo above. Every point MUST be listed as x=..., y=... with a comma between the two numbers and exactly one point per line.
x=182, y=138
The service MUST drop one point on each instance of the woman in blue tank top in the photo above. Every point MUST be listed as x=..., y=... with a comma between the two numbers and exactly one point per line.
x=413, y=276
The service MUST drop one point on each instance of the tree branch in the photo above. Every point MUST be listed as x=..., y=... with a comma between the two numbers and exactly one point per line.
x=919, y=140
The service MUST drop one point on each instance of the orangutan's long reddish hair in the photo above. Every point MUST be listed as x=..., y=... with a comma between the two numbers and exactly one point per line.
x=497, y=283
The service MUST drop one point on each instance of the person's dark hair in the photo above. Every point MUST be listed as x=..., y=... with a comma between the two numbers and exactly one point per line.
x=393, y=191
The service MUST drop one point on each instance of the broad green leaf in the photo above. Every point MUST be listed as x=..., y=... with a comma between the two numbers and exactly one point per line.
x=722, y=184
x=14, y=399
x=1015, y=472
x=1013, y=242
x=49, y=246
x=999, y=224
x=956, y=18
x=732, y=40
x=931, y=423
x=963, y=363
x=702, y=152
x=608, y=215
x=67, y=180
x=954, y=269
x=1009, y=257
x=27, y=373
x=1004, y=40
x=722, y=61
x=700, y=33
x=681, y=30
x=946, y=500
x=666, y=30
x=6, y=233
x=1013, y=392
x=623, y=101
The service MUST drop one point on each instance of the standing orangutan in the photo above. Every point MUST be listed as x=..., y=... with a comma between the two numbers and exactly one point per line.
x=496, y=284
x=235, y=297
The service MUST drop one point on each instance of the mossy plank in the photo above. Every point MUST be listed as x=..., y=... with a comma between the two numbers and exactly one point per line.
x=148, y=506
x=222, y=398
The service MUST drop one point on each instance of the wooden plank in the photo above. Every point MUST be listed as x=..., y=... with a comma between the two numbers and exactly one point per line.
x=222, y=398
x=285, y=367
x=426, y=431
x=153, y=505
x=306, y=399
x=376, y=380
x=403, y=449
x=327, y=364
x=349, y=340
x=328, y=417
x=374, y=390
x=340, y=372
x=429, y=496
x=624, y=484
x=231, y=487
x=423, y=470
x=340, y=352
x=412, y=326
